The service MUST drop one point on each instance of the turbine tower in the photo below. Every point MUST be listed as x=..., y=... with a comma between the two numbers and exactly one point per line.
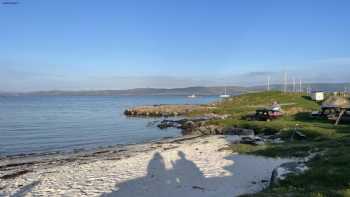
x=294, y=88
x=285, y=81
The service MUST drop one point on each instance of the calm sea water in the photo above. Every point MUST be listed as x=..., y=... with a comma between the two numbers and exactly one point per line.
x=63, y=123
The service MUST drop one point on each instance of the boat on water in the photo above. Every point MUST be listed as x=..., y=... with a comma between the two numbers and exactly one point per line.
x=192, y=96
x=225, y=95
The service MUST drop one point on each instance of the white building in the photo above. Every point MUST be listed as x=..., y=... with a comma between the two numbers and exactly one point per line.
x=317, y=96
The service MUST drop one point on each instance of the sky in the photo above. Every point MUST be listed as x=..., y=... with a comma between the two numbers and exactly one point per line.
x=115, y=44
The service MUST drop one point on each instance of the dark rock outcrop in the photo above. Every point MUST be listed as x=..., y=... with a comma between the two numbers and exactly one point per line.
x=165, y=110
x=281, y=172
x=195, y=125
x=209, y=130
x=253, y=140
x=238, y=131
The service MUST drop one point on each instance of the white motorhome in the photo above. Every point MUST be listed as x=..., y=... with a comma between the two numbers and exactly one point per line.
x=317, y=96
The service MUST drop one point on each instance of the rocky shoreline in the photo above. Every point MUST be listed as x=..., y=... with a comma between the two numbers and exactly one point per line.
x=15, y=170
x=167, y=110
x=199, y=126
x=198, y=135
x=106, y=171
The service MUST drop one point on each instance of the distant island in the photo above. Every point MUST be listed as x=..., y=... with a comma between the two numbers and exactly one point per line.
x=198, y=90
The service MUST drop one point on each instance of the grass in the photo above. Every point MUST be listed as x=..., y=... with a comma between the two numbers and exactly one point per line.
x=297, y=109
x=247, y=103
x=329, y=174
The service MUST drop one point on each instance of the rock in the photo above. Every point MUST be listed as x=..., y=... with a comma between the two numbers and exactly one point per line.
x=201, y=131
x=212, y=129
x=168, y=123
x=272, y=139
x=208, y=130
x=253, y=140
x=197, y=187
x=188, y=125
x=201, y=123
x=282, y=171
x=164, y=110
x=194, y=125
x=297, y=135
x=127, y=112
x=238, y=131
x=233, y=139
x=276, y=141
x=300, y=135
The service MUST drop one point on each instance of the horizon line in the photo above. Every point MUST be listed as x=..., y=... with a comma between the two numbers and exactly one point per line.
x=236, y=86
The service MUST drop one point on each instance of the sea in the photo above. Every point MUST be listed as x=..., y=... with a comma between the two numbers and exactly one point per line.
x=44, y=124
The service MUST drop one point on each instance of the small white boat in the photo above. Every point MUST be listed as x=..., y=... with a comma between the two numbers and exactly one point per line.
x=225, y=95
x=192, y=96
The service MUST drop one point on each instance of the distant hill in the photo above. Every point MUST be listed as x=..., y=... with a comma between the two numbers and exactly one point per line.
x=204, y=91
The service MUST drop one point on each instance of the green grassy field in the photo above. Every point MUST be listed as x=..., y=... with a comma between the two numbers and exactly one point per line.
x=329, y=174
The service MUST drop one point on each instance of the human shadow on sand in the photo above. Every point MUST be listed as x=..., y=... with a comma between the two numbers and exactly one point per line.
x=186, y=179
x=25, y=189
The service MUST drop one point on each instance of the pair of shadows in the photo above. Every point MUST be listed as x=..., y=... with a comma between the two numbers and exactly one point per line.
x=25, y=189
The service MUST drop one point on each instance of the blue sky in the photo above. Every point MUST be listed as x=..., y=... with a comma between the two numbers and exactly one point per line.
x=113, y=44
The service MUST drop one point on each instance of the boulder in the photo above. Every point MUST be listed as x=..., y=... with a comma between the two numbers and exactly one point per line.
x=168, y=123
x=300, y=135
x=208, y=130
x=215, y=130
x=297, y=135
x=238, y=131
x=282, y=171
x=273, y=139
x=276, y=141
x=188, y=125
x=253, y=140
x=233, y=139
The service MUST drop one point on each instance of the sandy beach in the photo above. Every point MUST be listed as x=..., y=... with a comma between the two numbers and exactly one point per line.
x=187, y=166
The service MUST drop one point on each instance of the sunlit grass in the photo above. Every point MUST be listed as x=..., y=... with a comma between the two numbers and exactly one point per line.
x=330, y=172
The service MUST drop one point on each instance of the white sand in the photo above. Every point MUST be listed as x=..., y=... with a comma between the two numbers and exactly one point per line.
x=192, y=168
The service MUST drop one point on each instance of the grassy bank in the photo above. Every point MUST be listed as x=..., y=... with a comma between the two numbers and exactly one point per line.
x=329, y=174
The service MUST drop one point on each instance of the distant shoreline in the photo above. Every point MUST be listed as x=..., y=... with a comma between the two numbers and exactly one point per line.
x=185, y=91
x=200, y=91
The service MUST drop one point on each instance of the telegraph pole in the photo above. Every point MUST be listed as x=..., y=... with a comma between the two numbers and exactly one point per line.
x=294, y=88
x=285, y=81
